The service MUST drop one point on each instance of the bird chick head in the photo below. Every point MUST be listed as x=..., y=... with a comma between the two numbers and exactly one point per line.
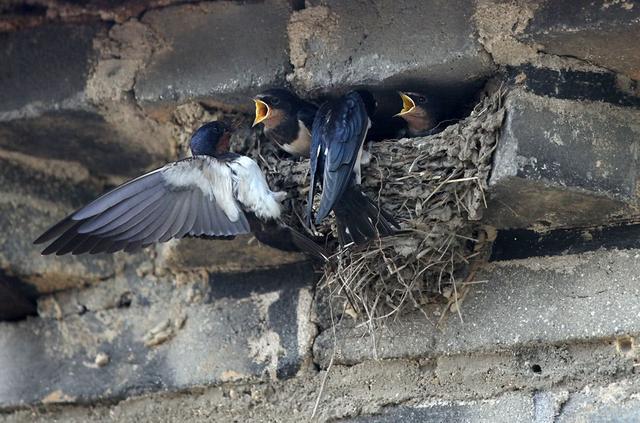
x=412, y=103
x=272, y=105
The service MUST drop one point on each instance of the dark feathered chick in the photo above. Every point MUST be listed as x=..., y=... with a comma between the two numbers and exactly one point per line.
x=339, y=131
x=287, y=120
x=214, y=193
x=419, y=112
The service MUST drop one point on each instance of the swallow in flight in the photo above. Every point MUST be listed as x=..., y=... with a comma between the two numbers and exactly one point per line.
x=287, y=120
x=339, y=130
x=214, y=193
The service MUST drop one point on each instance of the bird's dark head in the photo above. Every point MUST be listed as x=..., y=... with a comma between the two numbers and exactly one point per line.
x=211, y=139
x=273, y=105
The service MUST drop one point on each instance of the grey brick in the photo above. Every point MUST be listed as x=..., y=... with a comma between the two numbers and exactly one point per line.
x=537, y=301
x=221, y=52
x=563, y=163
x=45, y=110
x=598, y=32
x=243, y=327
x=510, y=408
x=337, y=44
x=46, y=66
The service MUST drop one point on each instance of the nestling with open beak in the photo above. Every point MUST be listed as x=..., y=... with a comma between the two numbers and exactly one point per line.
x=339, y=131
x=419, y=113
x=287, y=120
x=214, y=193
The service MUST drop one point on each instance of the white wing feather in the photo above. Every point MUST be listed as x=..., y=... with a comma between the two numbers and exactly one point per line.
x=252, y=191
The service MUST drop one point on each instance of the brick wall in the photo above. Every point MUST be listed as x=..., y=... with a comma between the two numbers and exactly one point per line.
x=94, y=92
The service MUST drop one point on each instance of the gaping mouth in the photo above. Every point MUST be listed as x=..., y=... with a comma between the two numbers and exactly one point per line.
x=263, y=111
x=407, y=104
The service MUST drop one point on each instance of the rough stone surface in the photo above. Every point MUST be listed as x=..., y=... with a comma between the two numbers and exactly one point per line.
x=156, y=336
x=509, y=408
x=594, y=31
x=336, y=44
x=619, y=402
x=563, y=163
x=201, y=57
x=577, y=298
x=32, y=60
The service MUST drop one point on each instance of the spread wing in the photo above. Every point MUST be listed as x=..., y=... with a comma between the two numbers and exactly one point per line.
x=339, y=130
x=196, y=196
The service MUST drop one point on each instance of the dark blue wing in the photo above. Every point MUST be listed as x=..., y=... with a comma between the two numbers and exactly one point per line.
x=340, y=130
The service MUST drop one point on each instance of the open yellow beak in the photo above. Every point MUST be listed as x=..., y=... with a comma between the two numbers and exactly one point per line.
x=263, y=111
x=407, y=104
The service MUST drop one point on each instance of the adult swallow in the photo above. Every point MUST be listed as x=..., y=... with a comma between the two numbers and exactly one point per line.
x=339, y=130
x=287, y=120
x=419, y=113
x=214, y=193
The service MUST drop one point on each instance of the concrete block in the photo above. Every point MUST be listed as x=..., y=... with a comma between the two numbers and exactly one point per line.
x=336, y=44
x=220, y=53
x=507, y=408
x=165, y=337
x=51, y=105
x=597, y=32
x=41, y=71
x=563, y=163
x=532, y=302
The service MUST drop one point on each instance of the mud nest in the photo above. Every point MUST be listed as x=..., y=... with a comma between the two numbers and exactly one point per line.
x=435, y=187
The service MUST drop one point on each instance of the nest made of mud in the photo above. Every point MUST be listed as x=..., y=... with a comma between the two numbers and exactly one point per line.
x=435, y=187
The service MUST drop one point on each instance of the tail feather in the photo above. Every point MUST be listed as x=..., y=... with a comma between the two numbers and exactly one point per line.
x=359, y=219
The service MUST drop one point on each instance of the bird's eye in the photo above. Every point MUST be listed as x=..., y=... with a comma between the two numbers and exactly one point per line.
x=275, y=101
x=422, y=100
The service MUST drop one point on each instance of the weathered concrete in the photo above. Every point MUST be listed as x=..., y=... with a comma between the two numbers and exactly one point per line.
x=563, y=163
x=594, y=31
x=336, y=44
x=201, y=59
x=578, y=298
x=507, y=409
x=147, y=335
x=40, y=71
x=62, y=119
